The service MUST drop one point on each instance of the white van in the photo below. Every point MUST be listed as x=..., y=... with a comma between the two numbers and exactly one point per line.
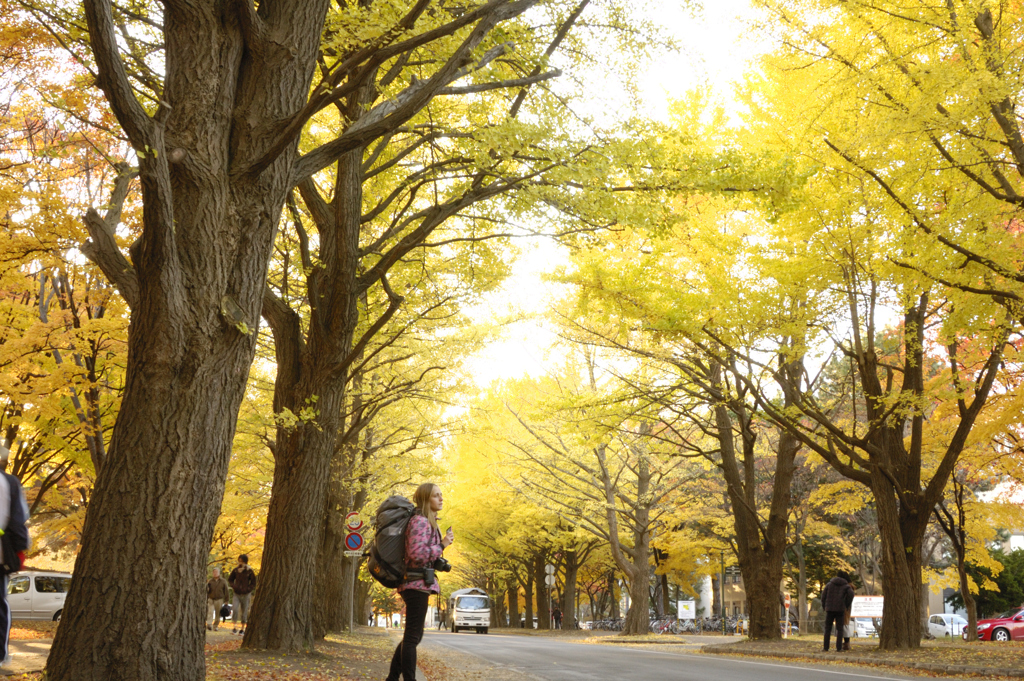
x=37, y=595
x=469, y=609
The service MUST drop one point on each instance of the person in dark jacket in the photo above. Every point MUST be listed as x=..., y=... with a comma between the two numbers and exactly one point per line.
x=836, y=599
x=13, y=516
x=242, y=580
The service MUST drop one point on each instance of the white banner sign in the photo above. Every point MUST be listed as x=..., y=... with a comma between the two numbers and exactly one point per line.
x=687, y=610
x=867, y=606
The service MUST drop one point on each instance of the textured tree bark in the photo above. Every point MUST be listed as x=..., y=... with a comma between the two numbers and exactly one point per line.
x=569, y=590
x=760, y=546
x=513, y=602
x=195, y=285
x=902, y=537
x=362, y=604
x=613, y=596
x=282, y=610
x=638, y=618
x=332, y=566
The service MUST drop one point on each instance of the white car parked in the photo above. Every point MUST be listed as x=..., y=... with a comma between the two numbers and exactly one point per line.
x=947, y=624
x=865, y=627
x=37, y=595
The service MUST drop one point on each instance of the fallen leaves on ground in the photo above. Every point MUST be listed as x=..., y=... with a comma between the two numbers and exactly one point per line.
x=27, y=630
x=358, y=656
x=947, y=653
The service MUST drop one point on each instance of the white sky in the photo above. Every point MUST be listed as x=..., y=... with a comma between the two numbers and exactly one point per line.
x=716, y=51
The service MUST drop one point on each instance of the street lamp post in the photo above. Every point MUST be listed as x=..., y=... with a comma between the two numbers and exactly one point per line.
x=721, y=588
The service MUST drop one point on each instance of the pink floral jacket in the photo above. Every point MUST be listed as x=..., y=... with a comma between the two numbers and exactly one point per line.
x=422, y=548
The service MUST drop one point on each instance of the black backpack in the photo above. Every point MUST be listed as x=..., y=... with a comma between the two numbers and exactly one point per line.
x=14, y=537
x=386, y=555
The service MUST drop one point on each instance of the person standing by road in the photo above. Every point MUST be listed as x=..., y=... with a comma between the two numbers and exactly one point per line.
x=216, y=594
x=423, y=546
x=557, y=614
x=849, y=629
x=242, y=580
x=836, y=599
x=13, y=516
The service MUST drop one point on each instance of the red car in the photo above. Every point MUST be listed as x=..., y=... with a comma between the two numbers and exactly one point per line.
x=1008, y=626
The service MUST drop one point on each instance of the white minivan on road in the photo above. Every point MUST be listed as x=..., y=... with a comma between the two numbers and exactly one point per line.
x=37, y=595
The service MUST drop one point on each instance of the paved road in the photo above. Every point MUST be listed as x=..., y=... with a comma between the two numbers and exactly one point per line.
x=559, y=660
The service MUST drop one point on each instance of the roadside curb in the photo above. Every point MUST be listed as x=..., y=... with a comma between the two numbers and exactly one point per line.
x=959, y=670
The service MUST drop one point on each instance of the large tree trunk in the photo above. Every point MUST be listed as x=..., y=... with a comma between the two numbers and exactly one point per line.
x=569, y=590
x=638, y=617
x=333, y=607
x=363, y=607
x=902, y=540
x=969, y=603
x=332, y=566
x=195, y=285
x=613, y=596
x=282, y=609
x=312, y=374
x=513, y=602
x=760, y=546
x=498, y=611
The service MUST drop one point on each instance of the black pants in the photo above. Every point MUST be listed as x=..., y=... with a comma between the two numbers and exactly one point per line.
x=403, y=662
x=839, y=617
x=5, y=619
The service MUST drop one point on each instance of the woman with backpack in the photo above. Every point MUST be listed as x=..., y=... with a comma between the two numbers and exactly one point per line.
x=423, y=546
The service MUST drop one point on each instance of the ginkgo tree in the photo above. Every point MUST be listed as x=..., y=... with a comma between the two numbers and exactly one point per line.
x=214, y=111
x=63, y=338
x=586, y=457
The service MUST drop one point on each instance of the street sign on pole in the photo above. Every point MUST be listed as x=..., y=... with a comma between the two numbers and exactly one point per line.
x=549, y=580
x=353, y=541
x=353, y=522
x=687, y=610
x=353, y=554
x=549, y=569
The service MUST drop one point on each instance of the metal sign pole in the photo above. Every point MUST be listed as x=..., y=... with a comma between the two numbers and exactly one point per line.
x=722, y=589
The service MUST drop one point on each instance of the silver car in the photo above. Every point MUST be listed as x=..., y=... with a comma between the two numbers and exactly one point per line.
x=946, y=624
x=37, y=595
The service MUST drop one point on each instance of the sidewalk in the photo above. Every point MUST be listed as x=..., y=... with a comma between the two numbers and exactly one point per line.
x=27, y=656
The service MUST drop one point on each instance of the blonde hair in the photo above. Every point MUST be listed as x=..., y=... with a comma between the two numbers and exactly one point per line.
x=421, y=499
